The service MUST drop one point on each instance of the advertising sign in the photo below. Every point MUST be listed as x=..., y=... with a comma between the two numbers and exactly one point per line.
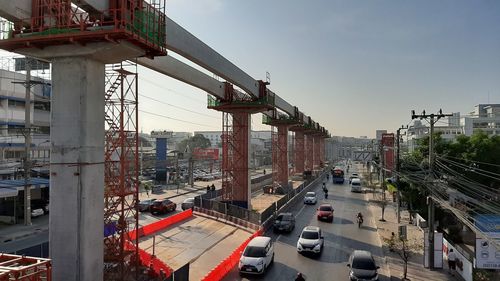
x=206, y=153
x=487, y=254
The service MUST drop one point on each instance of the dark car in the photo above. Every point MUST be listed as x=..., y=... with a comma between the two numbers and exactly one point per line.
x=145, y=205
x=362, y=266
x=284, y=222
x=325, y=212
x=163, y=206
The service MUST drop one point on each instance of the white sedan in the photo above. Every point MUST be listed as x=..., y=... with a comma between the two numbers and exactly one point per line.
x=310, y=198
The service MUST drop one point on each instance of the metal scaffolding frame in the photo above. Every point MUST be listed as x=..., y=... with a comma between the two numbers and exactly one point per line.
x=121, y=174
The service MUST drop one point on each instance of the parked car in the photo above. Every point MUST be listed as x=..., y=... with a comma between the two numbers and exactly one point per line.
x=36, y=212
x=310, y=240
x=163, y=206
x=325, y=212
x=284, y=222
x=157, y=189
x=362, y=266
x=145, y=205
x=310, y=198
x=188, y=203
x=257, y=256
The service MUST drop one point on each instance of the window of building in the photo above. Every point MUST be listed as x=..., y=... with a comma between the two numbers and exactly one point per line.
x=16, y=103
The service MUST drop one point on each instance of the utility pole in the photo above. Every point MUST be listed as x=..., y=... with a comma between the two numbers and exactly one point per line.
x=398, y=170
x=430, y=216
x=27, y=139
x=27, y=147
x=382, y=165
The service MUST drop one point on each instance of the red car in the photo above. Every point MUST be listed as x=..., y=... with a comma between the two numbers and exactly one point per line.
x=325, y=212
x=162, y=206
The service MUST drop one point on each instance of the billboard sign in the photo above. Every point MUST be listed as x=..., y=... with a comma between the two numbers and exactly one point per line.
x=206, y=153
x=487, y=253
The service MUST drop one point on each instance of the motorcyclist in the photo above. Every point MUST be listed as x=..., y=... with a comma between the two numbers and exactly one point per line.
x=360, y=219
x=326, y=193
x=300, y=277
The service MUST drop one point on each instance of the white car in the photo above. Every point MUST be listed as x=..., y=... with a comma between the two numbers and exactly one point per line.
x=356, y=185
x=257, y=256
x=310, y=240
x=36, y=213
x=310, y=198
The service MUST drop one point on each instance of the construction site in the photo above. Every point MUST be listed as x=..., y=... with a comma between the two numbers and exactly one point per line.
x=94, y=49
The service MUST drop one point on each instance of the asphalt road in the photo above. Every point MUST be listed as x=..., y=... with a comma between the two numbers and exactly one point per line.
x=341, y=238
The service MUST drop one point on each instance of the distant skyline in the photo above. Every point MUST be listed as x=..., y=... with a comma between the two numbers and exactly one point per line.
x=353, y=66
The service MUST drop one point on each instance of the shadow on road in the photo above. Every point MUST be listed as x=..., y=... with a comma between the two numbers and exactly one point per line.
x=277, y=271
x=338, y=220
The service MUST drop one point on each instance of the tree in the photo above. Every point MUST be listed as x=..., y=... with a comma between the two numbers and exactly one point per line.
x=197, y=140
x=404, y=248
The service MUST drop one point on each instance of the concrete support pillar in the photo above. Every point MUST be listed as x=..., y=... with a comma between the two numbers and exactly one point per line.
x=282, y=173
x=317, y=152
x=298, y=159
x=77, y=170
x=240, y=160
x=309, y=154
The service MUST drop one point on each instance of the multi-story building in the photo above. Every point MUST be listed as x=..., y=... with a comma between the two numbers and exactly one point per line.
x=484, y=117
x=12, y=115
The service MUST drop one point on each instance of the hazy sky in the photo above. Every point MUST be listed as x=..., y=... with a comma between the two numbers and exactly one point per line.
x=354, y=66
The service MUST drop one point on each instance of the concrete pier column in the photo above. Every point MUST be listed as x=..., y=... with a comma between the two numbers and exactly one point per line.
x=298, y=159
x=282, y=155
x=241, y=136
x=77, y=169
x=309, y=154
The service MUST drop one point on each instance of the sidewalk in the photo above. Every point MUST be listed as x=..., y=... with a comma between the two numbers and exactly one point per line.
x=416, y=270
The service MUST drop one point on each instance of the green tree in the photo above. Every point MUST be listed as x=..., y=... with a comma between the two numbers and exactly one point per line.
x=196, y=141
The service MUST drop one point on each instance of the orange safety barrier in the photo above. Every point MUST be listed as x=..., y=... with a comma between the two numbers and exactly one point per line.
x=161, y=224
x=148, y=260
x=228, y=263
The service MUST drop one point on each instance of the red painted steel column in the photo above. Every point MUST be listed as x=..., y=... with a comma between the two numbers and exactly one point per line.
x=283, y=154
x=241, y=179
x=298, y=160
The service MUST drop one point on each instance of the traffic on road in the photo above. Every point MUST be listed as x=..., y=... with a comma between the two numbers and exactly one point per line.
x=321, y=245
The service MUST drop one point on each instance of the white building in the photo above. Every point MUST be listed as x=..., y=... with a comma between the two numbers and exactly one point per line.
x=12, y=114
x=485, y=117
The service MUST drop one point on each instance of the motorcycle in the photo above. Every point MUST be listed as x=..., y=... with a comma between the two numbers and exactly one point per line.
x=360, y=221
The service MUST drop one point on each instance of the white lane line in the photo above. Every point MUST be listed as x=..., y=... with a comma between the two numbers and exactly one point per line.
x=300, y=211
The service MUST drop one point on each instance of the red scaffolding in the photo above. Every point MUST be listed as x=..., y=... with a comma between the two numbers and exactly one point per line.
x=58, y=22
x=121, y=171
x=22, y=268
x=237, y=108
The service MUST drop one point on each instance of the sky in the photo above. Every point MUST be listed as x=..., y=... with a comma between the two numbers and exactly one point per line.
x=353, y=66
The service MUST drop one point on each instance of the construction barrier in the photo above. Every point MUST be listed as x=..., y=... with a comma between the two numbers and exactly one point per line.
x=149, y=261
x=161, y=224
x=223, y=268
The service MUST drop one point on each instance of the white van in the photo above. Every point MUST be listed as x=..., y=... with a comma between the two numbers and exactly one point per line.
x=356, y=185
x=257, y=256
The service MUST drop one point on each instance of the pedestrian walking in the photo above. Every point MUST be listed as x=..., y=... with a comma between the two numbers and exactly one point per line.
x=213, y=187
x=452, y=262
x=208, y=188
